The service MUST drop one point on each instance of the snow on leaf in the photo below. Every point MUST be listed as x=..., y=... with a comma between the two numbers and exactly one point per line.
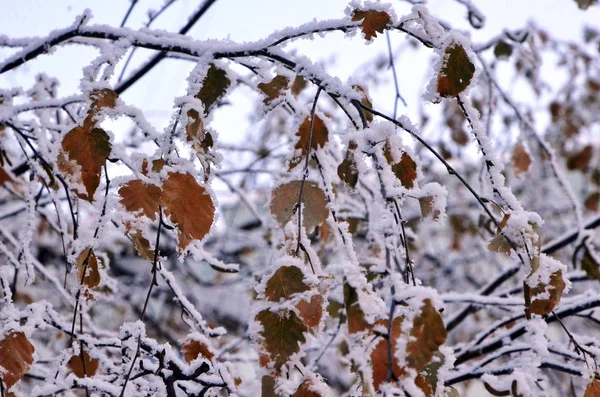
x=214, y=86
x=274, y=88
x=521, y=159
x=285, y=197
x=137, y=195
x=380, y=355
x=347, y=170
x=16, y=357
x=545, y=305
x=89, y=149
x=312, y=387
x=88, y=263
x=189, y=205
x=103, y=98
x=79, y=369
x=500, y=243
x=196, y=347
x=456, y=72
x=320, y=137
x=311, y=311
x=372, y=21
x=200, y=138
x=405, y=169
x=285, y=282
x=592, y=389
x=427, y=207
x=141, y=243
x=355, y=314
x=428, y=333
x=283, y=334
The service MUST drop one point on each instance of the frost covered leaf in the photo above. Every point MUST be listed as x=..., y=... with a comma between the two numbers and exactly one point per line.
x=500, y=243
x=193, y=348
x=214, y=86
x=311, y=312
x=580, y=160
x=405, y=170
x=356, y=317
x=103, y=98
x=544, y=306
x=285, y=282
x=195, y=133
x=456, y=72
x=372, y=21
x=89, y=149
x=141, y=243
x=310, y=388
x=593, y=389
x=521, y=159
x=77, y=365
x=274, y=88
x=364, y=99
x=189, y=205
x=427, y=207
x=428, y=333
x=347, y=170
x=87, y=261
x=380, y=356
x=285, y=197
x=283, y=334
x=298, y=85
x=268, y=386
x=16, y=357
x=428, y=379
x=320, y=137
x=137, y=195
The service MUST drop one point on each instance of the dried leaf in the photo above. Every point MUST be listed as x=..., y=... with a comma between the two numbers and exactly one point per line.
x=580, y=160
x=355, y=314
x=405, y=170
x=372, y=21
x=285, y=282
x=545, y=306
x=274, y=88
x=311, y=312
x=76, y=365
x=309, y=388
x=285, y=197
x=503, y=50
x=87, y=261
x=347, y=170
x=380, y=358
x=428, y=333
x=298, y=85
x=4, y=177
x=521, y=159
x=500, y=243
x=268, y=386
x=456, y=72
x=592, y=389
x=427, y=207
x=190, y=207
x=89, y=149
x=141, y=243
x=104, y=98
x=16, y=357
x=137, y=195
x=282, y=335
x=192, y=349
x=320, y=137
x=214, y=86
x=365, y=100
x=589, y=265
x=592, y=201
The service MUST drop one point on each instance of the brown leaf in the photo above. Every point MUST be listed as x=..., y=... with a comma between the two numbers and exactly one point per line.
x=311, y=312
x=545, y=306
x=405, y=170
x=521, y=159
x=428, y=334
x=500, y=243
x=456, y=72
x=214, y=86
x=16, y=357
x=285, y=282
x=192, y=349
x=103, y=98
x=285, y=197
x=298, y=85
x=591, y=202
x=282, y=335
x=308, y=388
x=580, y=160
x=424, y=385
x=592, y=389
x=355, y=314
x=89, y=149
x=274, y=88
x=268, y=386
x=347, y=170
x=427, y=208
x=189, y=205
x=320, y=137
x=87, y=261
x=380, y=356
x=137, y=195
x=372, y=21
x=200, y=139
x=76, y=365
x=365, y=100
x=141, y=243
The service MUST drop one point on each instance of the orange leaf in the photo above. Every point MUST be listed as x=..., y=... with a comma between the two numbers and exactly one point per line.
x=189, y=205
x=192, y=349
x=545, y=306
x=141, y=243
x=89, y=149
x=521, y=159
x=16, y=357
x=593, y=389
x=88, y=262
x=320, y=137
x=104, y=98
x=137, y=195
x=428, y=334
x=311, y=387
x=380, y=357
x=76, y=365
x=4, y=177
x=274, y=88
x=372, y=21
x=405, y=170
x=285, y=197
